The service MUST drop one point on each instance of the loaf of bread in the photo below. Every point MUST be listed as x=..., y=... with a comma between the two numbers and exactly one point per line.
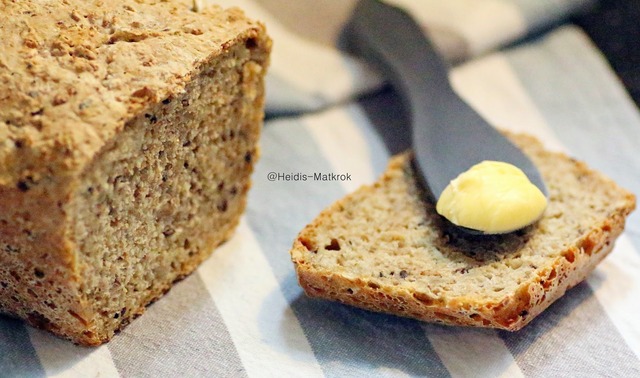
x=384, y=248
x=128, y=133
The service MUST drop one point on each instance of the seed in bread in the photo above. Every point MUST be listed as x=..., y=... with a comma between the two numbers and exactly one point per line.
x=385, y=249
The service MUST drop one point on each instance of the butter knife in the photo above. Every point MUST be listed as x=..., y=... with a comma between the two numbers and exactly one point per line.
x=448, y=136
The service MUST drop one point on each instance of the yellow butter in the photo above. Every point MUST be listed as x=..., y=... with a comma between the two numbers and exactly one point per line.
x=493, y=197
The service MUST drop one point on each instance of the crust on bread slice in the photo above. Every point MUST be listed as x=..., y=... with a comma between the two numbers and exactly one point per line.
x=384, y=248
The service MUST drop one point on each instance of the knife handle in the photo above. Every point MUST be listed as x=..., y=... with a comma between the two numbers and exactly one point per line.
x=389, y=38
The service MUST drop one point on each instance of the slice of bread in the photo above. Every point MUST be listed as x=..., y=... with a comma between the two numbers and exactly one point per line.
x=384, y=248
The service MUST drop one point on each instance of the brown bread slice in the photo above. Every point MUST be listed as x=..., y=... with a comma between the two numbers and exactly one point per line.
x=384, y=248
x=128, y=133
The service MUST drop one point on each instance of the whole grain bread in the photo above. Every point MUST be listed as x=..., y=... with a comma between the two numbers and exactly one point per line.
x=384, y=248
x=128, y=133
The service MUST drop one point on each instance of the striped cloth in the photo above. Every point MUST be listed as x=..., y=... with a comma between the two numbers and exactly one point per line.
x=243, y=314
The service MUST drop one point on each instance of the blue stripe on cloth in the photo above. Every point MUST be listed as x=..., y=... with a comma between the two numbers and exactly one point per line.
x=346, y=341
x=586, y=106
x=573, y=336
x=284, y=98
x=378, y=152
x=540, y=14
x=17, y=356
x=278, y=210
x=183, y=335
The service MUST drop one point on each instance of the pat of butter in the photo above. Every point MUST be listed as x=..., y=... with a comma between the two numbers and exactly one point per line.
x=493, y=197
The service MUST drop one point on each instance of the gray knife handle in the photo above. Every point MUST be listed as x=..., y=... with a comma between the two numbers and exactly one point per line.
x=388, y=37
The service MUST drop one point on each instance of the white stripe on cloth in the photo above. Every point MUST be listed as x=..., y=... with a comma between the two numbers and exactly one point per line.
x=480, y=25
x=473, y=352
x=619, y=291
x=342, y=144
x=492, y=87
x=62, y=359
x=264, y=329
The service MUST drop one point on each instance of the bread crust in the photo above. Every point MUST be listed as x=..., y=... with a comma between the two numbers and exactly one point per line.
x=511, y=312
x=78, y=71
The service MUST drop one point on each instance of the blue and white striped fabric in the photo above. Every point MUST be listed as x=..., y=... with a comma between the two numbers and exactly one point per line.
x=243, y=314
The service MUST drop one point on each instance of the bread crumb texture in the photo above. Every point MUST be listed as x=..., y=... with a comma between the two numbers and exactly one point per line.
x=128, y=133
x=384, y=248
